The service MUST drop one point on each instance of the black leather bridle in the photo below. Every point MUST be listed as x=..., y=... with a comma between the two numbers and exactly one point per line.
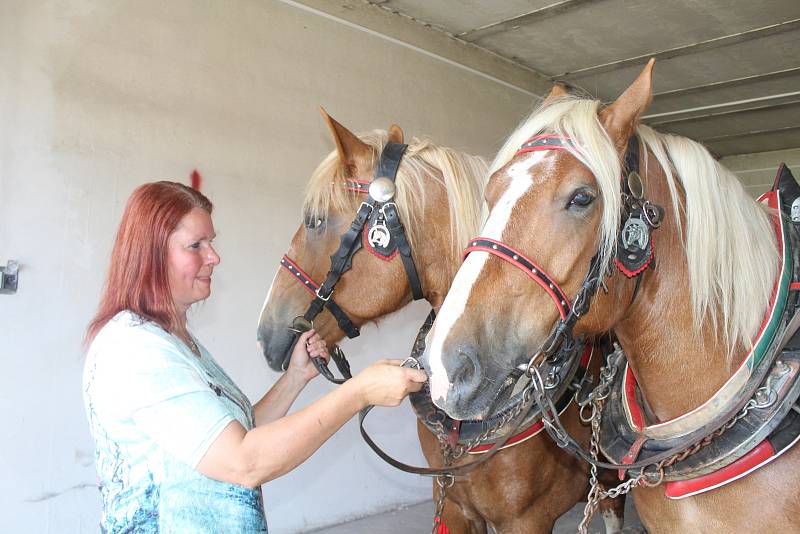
x=373, y=211
x=633, y=255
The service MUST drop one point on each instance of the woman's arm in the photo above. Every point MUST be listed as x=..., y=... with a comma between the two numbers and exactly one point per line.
x=275, y=448
x=277, y=401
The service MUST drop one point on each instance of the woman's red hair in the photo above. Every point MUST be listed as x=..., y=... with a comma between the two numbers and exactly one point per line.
x=137, y=278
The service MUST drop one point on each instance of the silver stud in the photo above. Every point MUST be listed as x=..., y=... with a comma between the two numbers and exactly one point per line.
x=533, y=271
x=516, y=257
x=382, y=189
x=550, y=285
x=563, y=303
x=494, y=247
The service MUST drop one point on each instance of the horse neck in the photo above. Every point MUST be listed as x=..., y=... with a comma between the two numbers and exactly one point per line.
x=434, y=246
x=677, y=366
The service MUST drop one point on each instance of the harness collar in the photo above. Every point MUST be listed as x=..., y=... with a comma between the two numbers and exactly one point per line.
x=753, y=418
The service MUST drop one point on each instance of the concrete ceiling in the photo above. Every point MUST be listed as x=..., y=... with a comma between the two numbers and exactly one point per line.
x=727, y=72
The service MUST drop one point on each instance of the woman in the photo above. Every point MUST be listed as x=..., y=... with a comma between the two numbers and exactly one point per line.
x=179, y=448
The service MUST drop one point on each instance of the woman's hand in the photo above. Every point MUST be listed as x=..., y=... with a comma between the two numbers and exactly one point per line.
x=386, y=383
x=309, y=345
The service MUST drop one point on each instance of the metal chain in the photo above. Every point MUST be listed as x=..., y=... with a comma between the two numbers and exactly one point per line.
x=678, y=457
x=596, y=494
x=444, y=482
x=451, y=453
x=650, y=478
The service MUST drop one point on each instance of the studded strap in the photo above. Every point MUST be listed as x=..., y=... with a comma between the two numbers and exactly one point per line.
x=312, y=287
x=519, y=260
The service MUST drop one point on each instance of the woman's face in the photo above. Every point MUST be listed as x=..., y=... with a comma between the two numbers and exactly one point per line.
x=191, y=259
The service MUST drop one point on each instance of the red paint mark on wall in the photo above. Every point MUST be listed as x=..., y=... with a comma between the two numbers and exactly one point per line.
x=197, y=180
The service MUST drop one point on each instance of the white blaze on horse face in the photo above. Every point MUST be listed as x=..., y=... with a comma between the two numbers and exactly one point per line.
x=456, y=300
x=269, y=293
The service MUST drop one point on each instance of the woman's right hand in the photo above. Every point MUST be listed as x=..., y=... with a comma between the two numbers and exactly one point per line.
x=386, y=383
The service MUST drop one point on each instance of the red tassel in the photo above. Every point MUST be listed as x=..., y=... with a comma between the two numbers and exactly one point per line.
x=196, y=180
x=442, y=529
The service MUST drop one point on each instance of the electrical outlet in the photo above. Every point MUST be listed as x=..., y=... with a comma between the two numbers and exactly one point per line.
x=8, y=277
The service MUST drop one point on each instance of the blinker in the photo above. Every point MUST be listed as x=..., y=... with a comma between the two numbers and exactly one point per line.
x=382, y=189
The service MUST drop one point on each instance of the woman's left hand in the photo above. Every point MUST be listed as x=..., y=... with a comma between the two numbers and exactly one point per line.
x=309, y=345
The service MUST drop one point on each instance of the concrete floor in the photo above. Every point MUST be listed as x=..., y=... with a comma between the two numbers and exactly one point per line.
x=417, y=519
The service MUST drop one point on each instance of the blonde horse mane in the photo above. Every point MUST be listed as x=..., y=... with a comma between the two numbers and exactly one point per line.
x=729, y=242
x=462, y=175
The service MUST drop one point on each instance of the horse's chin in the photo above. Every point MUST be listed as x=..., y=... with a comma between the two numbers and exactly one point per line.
x=275, y=345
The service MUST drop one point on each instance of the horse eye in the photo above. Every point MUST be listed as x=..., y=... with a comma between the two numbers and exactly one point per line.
x=581, y=198
x=311, y=222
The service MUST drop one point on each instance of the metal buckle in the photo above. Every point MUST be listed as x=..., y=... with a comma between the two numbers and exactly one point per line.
x=367, y=204
x=324, y=299
x=383, y=207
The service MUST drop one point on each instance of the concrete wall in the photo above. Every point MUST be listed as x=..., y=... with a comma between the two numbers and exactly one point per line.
x=757, y=171
x=97, y=97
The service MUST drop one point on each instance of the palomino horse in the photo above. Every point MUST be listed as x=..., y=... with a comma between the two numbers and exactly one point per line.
x=688, y=309
x=522, y=489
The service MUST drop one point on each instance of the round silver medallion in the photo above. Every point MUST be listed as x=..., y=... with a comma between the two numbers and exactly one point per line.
x=382, y=189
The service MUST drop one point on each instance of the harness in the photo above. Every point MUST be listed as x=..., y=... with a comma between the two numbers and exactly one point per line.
x=552, y=370
x=516, y=423
x=479, y=436
x=385, y=238
x=753, y=417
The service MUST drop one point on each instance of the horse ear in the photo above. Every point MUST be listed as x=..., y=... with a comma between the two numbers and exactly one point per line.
x=348, y=145
x=620, y=118
x=559, y=90
x=395, y=134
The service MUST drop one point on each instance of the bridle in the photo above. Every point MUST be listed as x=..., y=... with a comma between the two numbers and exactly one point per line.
x=634, y=254
x=569, y=311
x=386, y=237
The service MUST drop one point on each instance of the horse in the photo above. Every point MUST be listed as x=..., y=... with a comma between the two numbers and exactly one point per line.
x=681, y=265
x=522, y=489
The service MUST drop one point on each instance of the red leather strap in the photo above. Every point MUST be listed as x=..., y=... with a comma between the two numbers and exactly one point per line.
x=522, y=262
x=753, y=459
x=299, y=274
